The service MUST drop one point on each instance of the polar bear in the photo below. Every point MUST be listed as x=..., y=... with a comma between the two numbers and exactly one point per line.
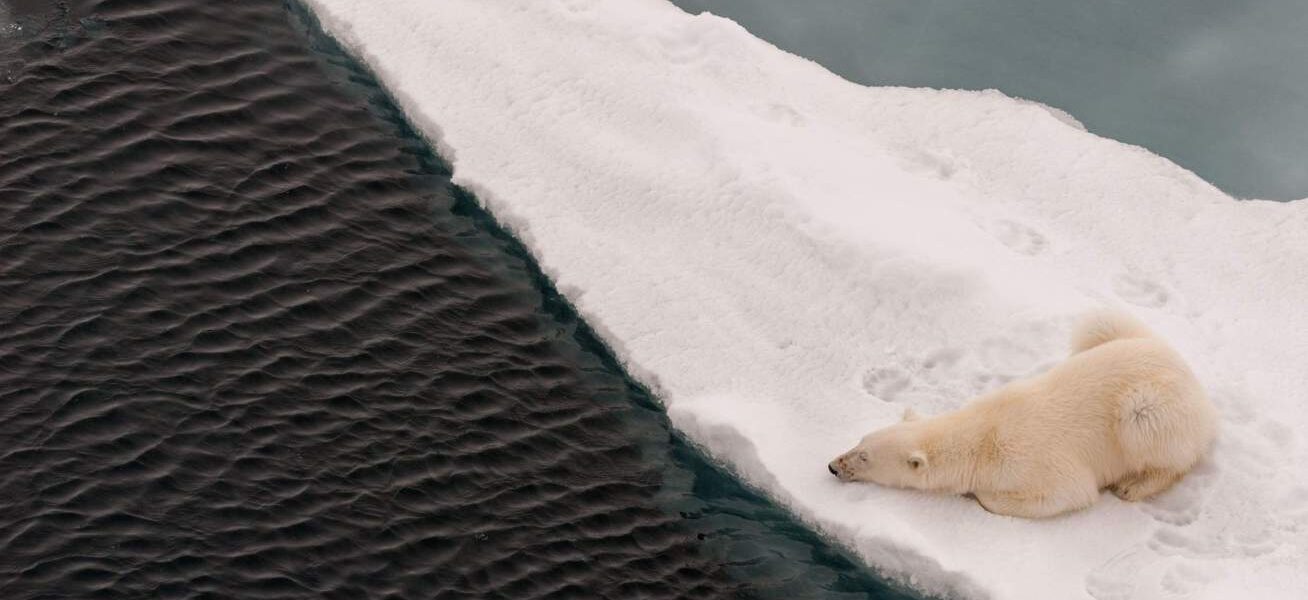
x=1123, y=412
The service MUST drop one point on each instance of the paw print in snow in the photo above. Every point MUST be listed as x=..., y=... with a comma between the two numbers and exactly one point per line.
x=578, y=7
x=1019, y=238
x=885, y=383
x=1140, y=291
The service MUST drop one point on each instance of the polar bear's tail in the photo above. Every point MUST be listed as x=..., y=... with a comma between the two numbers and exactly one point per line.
x=1103, y=326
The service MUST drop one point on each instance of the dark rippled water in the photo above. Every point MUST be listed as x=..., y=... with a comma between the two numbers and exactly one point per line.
x=253, y=344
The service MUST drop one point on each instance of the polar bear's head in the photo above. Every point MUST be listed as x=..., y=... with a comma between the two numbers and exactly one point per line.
x=894, y=457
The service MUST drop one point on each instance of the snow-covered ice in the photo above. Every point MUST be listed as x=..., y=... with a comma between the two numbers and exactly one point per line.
x=789, y=259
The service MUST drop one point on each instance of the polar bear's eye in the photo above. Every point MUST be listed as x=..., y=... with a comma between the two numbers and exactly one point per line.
x=862, y=456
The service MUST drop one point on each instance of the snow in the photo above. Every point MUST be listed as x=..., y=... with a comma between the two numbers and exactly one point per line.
x=788, y=260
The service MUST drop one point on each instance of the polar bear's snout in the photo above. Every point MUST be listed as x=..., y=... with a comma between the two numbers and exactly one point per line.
x=841, y=467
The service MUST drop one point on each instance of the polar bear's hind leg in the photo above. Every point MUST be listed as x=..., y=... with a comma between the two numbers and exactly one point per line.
x=1164, y=429
x=1138, y=486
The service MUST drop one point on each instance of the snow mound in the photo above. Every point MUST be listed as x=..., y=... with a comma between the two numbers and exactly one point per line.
x=789, y=260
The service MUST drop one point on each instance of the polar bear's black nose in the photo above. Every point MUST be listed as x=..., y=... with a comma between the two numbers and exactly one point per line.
x=832, y=468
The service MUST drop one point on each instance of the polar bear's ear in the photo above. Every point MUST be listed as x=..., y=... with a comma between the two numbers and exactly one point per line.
x=917, y=460
x=909, y=414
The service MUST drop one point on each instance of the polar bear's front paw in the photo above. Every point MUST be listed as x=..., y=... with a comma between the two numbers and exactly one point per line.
x=1125, y=490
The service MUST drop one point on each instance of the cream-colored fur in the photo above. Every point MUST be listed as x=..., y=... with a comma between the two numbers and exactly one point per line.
x=1123, y=412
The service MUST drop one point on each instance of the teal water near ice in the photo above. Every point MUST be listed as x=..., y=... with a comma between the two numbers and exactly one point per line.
x=1218, y=86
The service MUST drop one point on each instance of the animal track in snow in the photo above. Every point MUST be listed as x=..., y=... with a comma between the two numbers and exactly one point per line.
x=578, y=7
x=885, y=383
x=936, y=382
x=684, y=46
x=1182, y=504
x=925, y=161
x=1255, y=543
x=1185, y=578
x=1140, y=291
x=1115, y=579
x=943, y=357
x=1019, y=238
x=781, y=113
x=1179, y=541
x=944, y=378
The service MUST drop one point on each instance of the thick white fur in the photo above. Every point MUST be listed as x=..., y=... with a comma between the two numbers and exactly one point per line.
x=1123, y=412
